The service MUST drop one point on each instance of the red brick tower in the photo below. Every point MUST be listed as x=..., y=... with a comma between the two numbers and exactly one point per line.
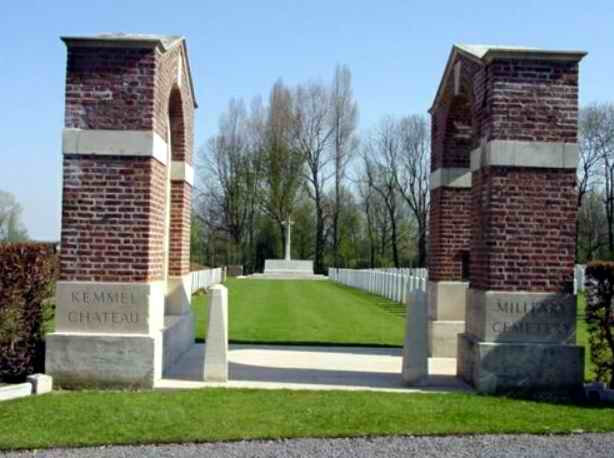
x=520, y=209
x=123, y=299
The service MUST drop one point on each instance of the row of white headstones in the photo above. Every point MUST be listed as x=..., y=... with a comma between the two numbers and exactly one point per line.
x=406, y=286
x=393, y=284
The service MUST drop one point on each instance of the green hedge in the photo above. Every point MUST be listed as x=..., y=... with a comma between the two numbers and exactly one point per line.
x=27, y=276
x=600, y=318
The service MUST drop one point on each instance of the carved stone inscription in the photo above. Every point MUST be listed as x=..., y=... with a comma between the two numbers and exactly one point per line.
x=525, y=317
x=103, y=307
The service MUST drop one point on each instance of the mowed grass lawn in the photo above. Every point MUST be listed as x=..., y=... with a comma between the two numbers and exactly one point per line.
x=107, y=417
x=305, y=312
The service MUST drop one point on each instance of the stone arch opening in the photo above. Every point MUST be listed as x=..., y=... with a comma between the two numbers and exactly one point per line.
x=175, y=141
x=179, y=321
x=459, y=131
x=454, y=136
x=176, y=124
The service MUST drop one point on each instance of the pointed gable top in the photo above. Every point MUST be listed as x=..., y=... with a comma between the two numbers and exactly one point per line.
x=484, y=54
x=135, y=40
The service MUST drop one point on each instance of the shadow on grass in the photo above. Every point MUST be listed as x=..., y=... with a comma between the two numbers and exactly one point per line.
x=575, y=398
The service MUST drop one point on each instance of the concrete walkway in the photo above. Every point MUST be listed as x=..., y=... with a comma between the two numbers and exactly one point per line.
x=312, y=368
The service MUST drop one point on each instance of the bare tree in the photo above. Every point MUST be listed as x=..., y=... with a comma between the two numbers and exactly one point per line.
x=592, y=139
x=380, y=162
x=412, y=174
x=592, y=224
x=226, y=162
x=313, y=134
x=11, y=226
x=344, y=118
x=282, y=162
x=597, y=148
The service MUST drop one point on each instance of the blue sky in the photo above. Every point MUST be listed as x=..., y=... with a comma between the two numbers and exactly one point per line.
x=396, y=51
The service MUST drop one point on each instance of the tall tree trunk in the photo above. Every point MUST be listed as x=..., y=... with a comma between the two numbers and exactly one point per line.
x=282, y=231
x=421, y=244
x=371, y=249
x=371, y=236
x=383, y=242
x=609, y=206
x=319, y=242
x=395, y=244
x=336, y=218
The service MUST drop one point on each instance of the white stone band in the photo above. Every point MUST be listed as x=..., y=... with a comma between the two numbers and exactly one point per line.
x=182, y=171
x=451, y=178
x=509, y=153
x=140, y=143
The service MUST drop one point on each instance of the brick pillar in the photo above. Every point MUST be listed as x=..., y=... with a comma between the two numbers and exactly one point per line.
x=118, y=169
x=521, y=311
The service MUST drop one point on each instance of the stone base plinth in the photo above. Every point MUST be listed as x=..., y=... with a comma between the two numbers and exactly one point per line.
x=290, y=276
x=41, y=383
x=443, y=338
x=281, y=266
x=446, y=313
x=103, y=360
x=520, y=316
x=447, y=300
x=493, y=367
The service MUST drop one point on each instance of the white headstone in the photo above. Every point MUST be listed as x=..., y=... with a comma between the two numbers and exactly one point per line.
x=404, y=286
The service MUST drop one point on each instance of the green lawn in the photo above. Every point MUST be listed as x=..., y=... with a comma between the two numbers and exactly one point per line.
x=306, y=312
x=106, y=417
x=310, y=312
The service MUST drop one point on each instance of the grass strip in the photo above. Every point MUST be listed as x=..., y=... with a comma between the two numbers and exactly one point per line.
x=88, y=418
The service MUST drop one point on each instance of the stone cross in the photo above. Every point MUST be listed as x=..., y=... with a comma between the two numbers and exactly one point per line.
x=288, y=225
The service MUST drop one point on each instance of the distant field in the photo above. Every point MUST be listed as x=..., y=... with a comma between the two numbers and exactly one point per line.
x=298, y=311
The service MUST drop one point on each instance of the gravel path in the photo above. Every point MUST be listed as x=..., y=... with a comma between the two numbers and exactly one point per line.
x=577, y=445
